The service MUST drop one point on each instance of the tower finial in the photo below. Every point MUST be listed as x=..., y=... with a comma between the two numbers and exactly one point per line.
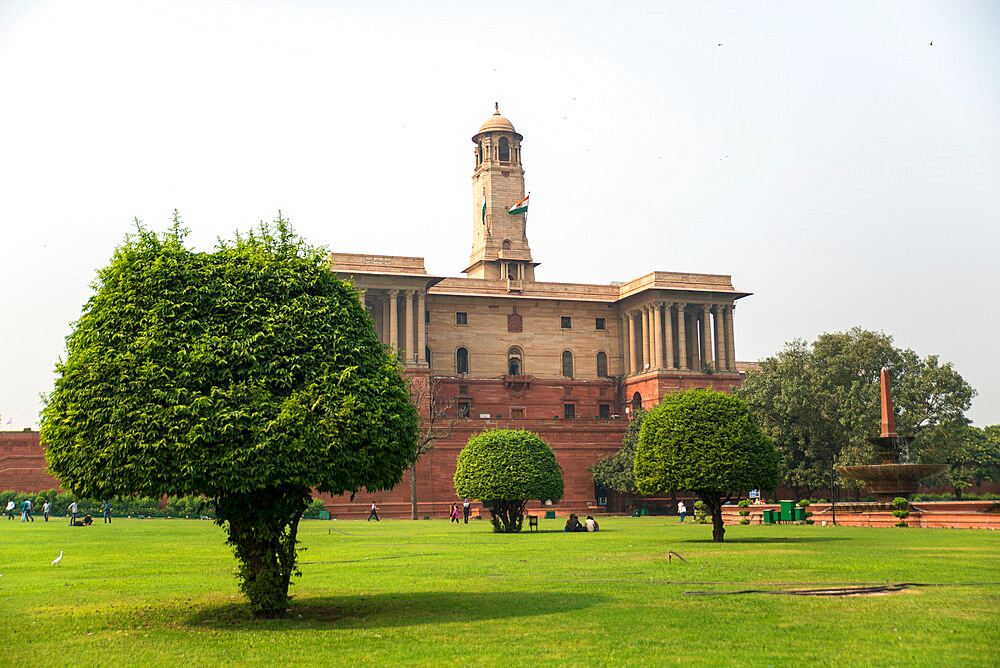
x=496, y=107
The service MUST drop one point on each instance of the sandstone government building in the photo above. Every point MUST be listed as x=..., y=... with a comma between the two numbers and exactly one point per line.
x=569, y=361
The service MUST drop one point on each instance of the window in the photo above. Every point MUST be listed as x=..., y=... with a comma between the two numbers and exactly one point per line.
x=566, y=322
x=569, y=411
x=602, y=365
x=462, y=360
x=427, y=355
x=505, y=245
x=604, y=411
x=427, y=316
x=600, y=323
x=517, y=413
x=461, y=318
x=504, y=149
x=464, y=409
x=567, y=364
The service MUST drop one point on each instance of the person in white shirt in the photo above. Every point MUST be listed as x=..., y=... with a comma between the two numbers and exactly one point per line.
x=681, y=510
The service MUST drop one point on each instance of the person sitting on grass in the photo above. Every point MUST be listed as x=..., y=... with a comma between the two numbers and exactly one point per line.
x=591, y=524
x=85, y=522
x=573, y=524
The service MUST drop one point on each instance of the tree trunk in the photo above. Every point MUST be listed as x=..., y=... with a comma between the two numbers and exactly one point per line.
x=714, y=502
x=958, y=492
x=413, y=491
x=507, y=516
x=262, y=529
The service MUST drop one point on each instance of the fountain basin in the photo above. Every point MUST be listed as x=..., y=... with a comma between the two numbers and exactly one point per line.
x=887, y=481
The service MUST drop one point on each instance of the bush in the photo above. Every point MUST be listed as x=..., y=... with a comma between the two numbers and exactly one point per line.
x=901, y=511
x=314, y=509
x=700, y=514
x=504, y=468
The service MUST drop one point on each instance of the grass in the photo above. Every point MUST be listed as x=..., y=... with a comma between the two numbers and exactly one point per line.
x=162, y=592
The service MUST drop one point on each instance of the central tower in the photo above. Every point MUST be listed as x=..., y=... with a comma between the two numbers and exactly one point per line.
x=500, y=249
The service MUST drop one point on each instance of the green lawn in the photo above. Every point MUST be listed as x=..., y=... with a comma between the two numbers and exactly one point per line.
x=162, y=592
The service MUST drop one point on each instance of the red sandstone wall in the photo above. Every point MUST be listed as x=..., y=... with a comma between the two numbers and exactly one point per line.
x=22, y=462
x=654, y=386
x=577, y=444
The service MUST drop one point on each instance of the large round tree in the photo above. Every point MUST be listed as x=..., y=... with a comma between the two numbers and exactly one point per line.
x=250, y=375
x=505, y=468
x=708, y=443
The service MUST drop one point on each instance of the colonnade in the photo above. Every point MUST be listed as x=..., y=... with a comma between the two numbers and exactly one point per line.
x=678, y=335
x=391, y=308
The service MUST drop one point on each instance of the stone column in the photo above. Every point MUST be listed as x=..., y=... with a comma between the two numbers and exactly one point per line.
x=644, y=319
x=385, y=319
x=408, y=343
x=719, y=339
x=633, y=348
x=626, y=368
x=668, y=338
x=730, y=341
x=394, y=322
x=706, y=335
x=421, y=329
x=658, y=335
x=682, y=356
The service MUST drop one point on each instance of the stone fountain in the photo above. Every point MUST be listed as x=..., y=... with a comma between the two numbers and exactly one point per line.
x=890, y=479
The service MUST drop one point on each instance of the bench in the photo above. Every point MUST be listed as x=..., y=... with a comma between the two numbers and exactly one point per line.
x=532, y=522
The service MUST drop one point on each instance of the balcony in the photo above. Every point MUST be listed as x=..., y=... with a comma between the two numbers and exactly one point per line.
x=517, y=383
x=514, y=285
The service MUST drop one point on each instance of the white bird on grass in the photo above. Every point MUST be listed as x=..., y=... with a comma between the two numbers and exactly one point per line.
x=55, y=562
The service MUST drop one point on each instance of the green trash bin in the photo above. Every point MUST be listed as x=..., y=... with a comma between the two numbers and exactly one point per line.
x=787, y=511
x=645, y=512
x=800, y=514
x=550, y=514
x=769, y=516
x=324, y=514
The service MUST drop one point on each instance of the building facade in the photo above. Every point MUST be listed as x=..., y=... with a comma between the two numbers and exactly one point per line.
x=501, y=349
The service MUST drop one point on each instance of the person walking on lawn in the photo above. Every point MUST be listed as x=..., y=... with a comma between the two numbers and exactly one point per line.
x=454, y=513
x=466, y=509
x=10, y=509
x=681, y=510
x=373, y=514
x=72, y=513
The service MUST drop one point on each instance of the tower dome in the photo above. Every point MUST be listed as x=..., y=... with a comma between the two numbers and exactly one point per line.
x=496, y=123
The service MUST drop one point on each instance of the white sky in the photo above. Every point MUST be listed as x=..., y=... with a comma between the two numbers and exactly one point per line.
x=825, y=155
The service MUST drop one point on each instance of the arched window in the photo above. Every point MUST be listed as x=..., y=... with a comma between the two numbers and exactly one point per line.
x=515, y=362
x=504, y=149
x=636, y=403
x=602, y=365
x=480, y=153
x=567, y=363
x=462, y=360
x=505, y=245
x=427, y=355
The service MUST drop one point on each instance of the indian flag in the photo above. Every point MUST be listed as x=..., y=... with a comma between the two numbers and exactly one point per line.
x=520, y=207
x=484, y=206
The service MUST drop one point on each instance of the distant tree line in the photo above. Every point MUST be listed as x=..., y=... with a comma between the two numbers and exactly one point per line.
x=819, y=404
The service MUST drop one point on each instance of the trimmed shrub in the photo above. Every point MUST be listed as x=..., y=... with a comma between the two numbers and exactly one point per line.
x=706, y=442
x=504, y=469
x=902, y=510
